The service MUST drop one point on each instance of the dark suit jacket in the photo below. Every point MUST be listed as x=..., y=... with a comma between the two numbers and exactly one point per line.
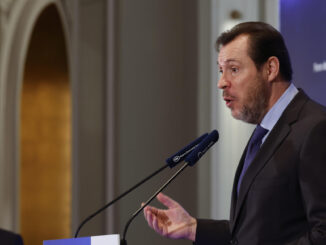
x=10, y=238
x=282, y=199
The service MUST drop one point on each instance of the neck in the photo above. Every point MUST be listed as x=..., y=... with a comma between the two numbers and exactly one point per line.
x=277, y=90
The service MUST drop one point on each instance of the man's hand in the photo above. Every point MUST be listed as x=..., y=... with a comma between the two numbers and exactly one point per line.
x=174, y=222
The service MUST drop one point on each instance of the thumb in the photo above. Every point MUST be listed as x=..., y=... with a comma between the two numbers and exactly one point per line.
x=167, y=201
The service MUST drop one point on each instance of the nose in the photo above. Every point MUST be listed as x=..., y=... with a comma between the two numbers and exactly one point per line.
x=222, y=83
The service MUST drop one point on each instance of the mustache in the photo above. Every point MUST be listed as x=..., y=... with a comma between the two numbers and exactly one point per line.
x=226, y=94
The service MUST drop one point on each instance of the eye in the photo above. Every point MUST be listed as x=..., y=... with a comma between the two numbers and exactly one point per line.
x=220, y=71
x=234, y=69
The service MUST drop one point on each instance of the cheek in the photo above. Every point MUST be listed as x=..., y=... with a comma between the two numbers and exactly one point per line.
x=245, y=86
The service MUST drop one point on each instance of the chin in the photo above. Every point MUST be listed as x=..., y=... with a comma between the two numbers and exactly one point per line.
x=242, y=117
x=236, y=115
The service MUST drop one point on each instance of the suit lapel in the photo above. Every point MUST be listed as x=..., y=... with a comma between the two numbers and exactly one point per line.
x=235, y=184
x=273, y=141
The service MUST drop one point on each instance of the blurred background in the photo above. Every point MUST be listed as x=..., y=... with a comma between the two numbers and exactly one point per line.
x=96, y=94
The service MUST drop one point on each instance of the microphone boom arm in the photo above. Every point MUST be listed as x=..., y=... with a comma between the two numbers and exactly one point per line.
x=118, y=198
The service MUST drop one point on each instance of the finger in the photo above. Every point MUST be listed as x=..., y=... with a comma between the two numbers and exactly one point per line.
x=148, y=211
x=148, y=206
x=156, y=226
x=167, y=201
x=146, y=214
x=144, y=210
x=149, y=219
x=155, y=211
x=160, y=227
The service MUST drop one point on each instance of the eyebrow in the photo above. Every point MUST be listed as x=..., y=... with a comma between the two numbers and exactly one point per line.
x=229, y=61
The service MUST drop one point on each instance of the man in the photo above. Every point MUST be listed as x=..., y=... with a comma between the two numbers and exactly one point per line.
x=279, y=192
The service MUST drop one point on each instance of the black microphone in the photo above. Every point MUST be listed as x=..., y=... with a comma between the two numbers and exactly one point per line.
x=183, y=153
x=201, y=149
x=171, y=162
x=190, y=160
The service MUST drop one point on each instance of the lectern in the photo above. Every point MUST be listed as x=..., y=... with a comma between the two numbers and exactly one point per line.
x=92, y=240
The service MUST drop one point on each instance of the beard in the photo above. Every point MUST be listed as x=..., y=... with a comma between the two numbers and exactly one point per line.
x=255, y=103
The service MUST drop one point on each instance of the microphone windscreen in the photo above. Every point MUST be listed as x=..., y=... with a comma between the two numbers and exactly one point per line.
x=201, y=149
x=184, y=152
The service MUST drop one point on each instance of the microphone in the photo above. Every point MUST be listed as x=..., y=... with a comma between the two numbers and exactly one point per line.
x=183, y=153
x=190, y=160
x=201, y=149
x=171, y=162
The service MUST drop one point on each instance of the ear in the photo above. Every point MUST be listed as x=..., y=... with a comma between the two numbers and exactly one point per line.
x=272, y=68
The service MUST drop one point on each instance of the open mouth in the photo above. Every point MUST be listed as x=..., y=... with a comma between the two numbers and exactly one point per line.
x=228, y=101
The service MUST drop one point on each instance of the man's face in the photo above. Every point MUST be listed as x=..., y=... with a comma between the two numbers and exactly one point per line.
x=245, y=90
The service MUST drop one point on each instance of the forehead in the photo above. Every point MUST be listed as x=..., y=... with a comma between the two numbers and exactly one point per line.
x=235, y=51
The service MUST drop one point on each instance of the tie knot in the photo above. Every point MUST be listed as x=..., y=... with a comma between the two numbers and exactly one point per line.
x=259, y=134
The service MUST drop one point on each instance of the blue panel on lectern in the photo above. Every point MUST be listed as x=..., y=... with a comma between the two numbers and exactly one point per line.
x=304, y=30
x=72, y=241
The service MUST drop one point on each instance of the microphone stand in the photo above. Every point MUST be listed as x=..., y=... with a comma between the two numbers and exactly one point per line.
x=123, y=240
x=190, y=160
x=118, y=198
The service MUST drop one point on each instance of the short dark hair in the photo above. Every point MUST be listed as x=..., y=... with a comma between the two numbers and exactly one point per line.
x=264, y=41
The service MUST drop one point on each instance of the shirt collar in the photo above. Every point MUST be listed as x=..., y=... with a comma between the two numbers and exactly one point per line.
x=272, y=116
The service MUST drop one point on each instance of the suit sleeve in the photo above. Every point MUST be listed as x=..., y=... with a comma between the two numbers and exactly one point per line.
x=312, y=177
x=211, y=232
